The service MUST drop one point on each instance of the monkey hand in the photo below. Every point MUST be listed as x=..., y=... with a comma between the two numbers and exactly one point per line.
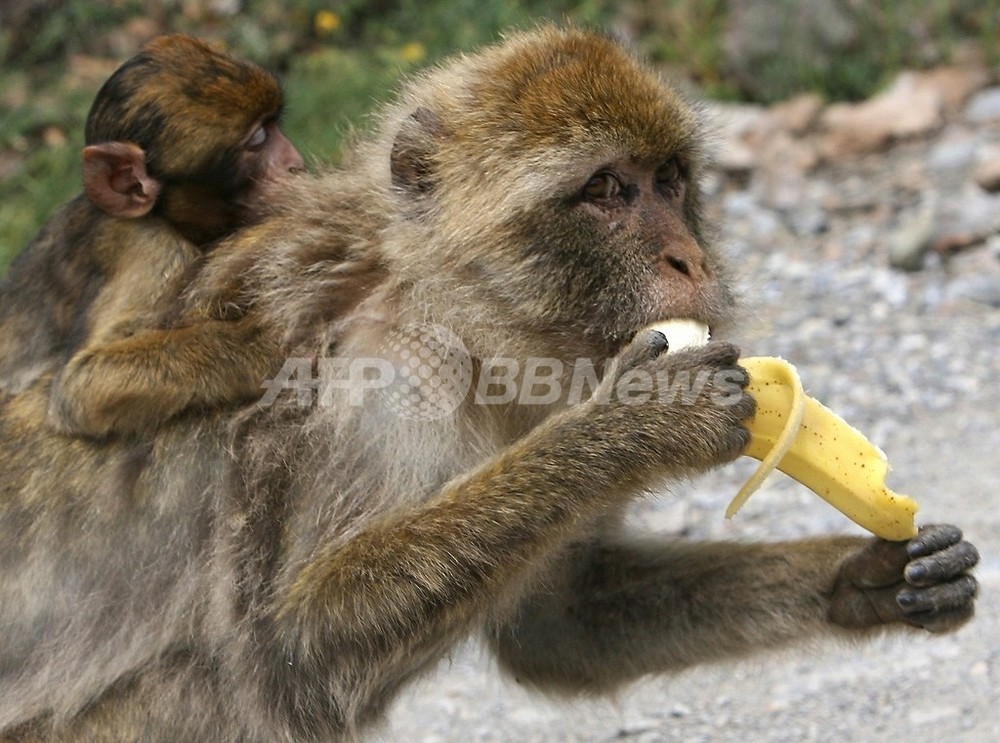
x=133, y=385
x=924, y=582
x=691, y=409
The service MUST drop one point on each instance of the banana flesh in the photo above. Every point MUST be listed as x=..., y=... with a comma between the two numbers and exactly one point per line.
x=798, y=435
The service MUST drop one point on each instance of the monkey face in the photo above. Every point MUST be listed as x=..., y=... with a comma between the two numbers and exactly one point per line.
x=206, y=127
x=620, y=251
x=563, y=187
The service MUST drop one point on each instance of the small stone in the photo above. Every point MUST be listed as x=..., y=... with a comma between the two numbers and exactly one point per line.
x=984, y=106
x=954, y=84
x=735, y=158
x=905, y=110
x=799, y=114
x=987, y=175
x=952, y=154
x=931, y=714
x=966, y=216
x=979, y=289
x=892, y=287
x=808, y=220
x=909, y=244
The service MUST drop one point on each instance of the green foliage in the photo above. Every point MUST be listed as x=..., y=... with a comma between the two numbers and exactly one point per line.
x=360, y=51
x=686, y=35
x=40, y=143
x=336, y=59
x=842, y=50
x=49, y=177
x=319, y=114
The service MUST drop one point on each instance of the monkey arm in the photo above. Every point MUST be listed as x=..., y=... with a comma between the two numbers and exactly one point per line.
x=617, y=609
x=131, y=385
x=382, y=605
x=382, y=602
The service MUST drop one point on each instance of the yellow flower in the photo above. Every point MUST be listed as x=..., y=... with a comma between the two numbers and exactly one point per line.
x=325, y=22
x=413, y=52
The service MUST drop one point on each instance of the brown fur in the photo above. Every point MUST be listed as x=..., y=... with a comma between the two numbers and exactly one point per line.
x=279, y=575
x=77, y=299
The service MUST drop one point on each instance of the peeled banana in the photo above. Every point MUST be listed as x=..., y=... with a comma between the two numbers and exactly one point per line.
x=804, y=439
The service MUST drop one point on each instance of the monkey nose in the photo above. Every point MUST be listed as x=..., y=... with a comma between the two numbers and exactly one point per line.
x=687, y=261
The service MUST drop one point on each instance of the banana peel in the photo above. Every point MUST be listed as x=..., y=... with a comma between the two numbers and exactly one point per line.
x=798, y=435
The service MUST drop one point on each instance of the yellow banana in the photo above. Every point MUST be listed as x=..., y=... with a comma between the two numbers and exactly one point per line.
x=807, y=441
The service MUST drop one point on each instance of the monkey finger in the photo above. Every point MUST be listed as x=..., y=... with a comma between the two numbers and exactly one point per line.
x=932, y=538
x=943, y=621
x=721, y=354
x=646, y=346
x=713, y=356
x=738, y=438
x=936, y=599
x=943, y=565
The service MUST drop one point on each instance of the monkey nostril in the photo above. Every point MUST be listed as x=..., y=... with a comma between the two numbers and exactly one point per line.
x=678, y=264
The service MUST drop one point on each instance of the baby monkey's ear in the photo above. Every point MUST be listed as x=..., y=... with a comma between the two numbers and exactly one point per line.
x=116, y=181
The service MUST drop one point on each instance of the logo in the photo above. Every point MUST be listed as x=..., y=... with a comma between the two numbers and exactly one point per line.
x=432, y=371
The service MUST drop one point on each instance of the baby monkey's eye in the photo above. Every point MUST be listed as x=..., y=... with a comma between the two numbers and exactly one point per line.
x=257, y=139
x=602, y=185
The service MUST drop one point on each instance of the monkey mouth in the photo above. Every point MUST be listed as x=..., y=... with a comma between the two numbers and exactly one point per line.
x=684, y=333
x=613, y=344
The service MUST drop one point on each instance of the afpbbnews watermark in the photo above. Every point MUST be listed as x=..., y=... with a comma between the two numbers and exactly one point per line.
x=425, y=372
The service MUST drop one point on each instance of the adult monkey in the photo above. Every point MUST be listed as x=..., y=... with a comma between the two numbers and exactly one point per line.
x=540, y=199
x=183, y=147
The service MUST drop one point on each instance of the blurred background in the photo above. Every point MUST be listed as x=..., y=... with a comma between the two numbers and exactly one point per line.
x=856, y=190
x=338, y=58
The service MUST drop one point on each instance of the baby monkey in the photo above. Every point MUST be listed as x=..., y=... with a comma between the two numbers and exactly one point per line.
x=183, y=147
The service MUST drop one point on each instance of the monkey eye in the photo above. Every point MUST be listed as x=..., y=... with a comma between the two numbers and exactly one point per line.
x=602, y=185
x=257, y=139
x=669, y=175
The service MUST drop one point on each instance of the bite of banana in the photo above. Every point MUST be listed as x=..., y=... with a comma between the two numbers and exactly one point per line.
x=798, y=435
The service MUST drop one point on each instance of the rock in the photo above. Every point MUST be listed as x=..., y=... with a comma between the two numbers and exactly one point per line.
x=905, y=110
x=736, y=125
x=984, y=106
x=735, y=120
x=955, y=242
x=808, y=220
x=891, y=287
x=966, y=216
x=952, y=153
x=980, y=289
x=954, y=85
x=987, y=175
x=797, y=115
x=733, y=157
x=909, y=244
x=782, y=164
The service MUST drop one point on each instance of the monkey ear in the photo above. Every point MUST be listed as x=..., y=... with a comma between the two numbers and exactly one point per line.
x=115, y=179
x=412, y=158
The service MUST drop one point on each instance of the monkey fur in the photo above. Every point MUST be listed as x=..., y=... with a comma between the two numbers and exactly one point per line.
x=168, y=167
x=281, y=572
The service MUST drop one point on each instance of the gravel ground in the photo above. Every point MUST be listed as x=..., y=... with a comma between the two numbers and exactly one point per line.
x=909, y=358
